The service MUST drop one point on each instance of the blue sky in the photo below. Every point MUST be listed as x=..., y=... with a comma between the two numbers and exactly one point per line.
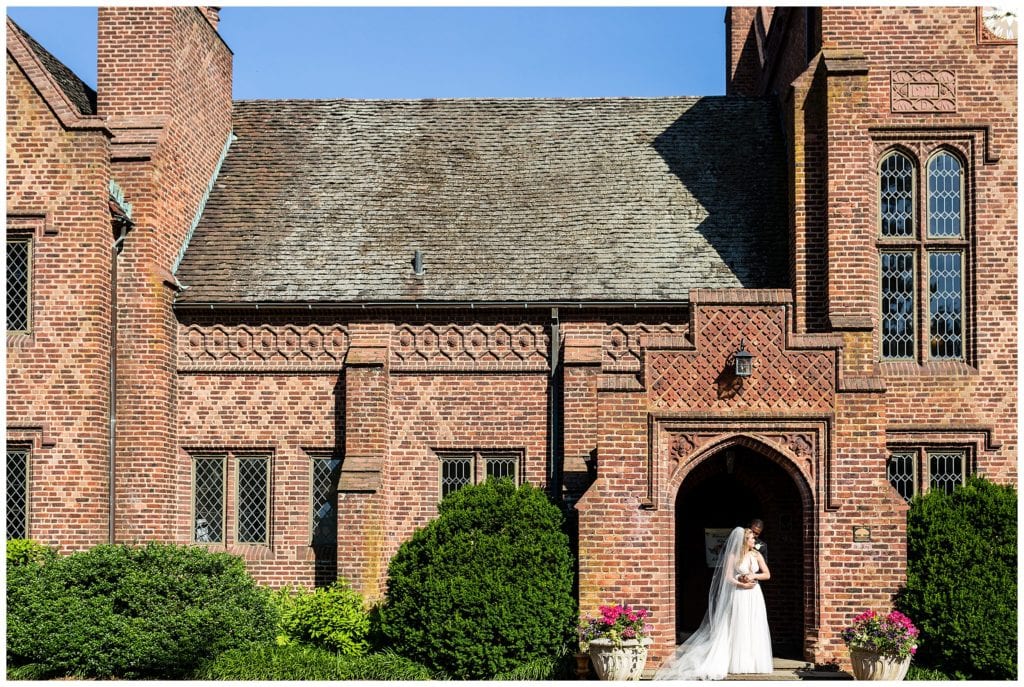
x=441, y=52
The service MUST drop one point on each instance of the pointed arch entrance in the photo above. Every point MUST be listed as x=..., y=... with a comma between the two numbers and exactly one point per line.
x=727, y=488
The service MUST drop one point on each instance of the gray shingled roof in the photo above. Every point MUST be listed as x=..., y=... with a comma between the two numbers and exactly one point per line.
x=77, y=91
x=509, y=200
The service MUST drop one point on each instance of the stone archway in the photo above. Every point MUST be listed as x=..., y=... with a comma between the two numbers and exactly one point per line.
x=724, y=489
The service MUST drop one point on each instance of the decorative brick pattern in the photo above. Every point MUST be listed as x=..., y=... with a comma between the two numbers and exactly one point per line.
x=622, y=343
x=268, y=347
x=923, y=90
x=782, y=380
x=429, y=346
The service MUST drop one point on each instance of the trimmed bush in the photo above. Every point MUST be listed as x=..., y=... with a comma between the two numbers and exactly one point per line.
x=486, y=587
x=334, y=618
x=26, y=551
x=118, y=611
x=962, y=580
x=302, y=662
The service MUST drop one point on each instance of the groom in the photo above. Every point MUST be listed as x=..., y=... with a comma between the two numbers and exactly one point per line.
x=757, y=526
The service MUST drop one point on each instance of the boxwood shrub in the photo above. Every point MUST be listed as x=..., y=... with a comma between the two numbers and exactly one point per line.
x=126, y=612
x=961, y=586
x=486, y=587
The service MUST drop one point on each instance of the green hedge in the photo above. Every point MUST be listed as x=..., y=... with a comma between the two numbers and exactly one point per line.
x=124, y=612
x=486, y=587
x=27, y=551
x=303, y=662
x=961, y=586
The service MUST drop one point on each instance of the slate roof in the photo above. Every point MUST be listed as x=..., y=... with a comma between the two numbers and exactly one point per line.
x=628, y=199
x=77, y=91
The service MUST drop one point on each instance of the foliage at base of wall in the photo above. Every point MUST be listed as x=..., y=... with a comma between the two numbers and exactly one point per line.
x=333, y=618
x=961, y=586
x=131, y=612
x=486, y=587
x=304, y=662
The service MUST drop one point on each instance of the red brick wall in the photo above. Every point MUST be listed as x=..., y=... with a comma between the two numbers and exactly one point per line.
x=57, y=375
x=164, y=78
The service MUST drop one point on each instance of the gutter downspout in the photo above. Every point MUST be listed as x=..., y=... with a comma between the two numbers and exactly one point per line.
x=555, y=412
x=125, y=224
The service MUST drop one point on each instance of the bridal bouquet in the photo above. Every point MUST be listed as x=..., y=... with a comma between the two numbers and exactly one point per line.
x=892, y=635
x=617, y=623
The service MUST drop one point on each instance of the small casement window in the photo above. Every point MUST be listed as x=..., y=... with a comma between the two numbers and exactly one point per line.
x=208, y=499
x=324, y=524
x=19, y=275
x=914, y=268
x=460, y=468
x=17, y=492
x=902, y=473
x=946, y=470
x=939, y=469
x=253, y=499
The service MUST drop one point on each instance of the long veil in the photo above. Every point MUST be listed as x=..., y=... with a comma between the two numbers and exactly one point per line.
x=705, y=654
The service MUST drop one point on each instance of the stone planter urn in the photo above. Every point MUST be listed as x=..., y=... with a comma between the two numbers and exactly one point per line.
x=868, y=665
x=623, y=662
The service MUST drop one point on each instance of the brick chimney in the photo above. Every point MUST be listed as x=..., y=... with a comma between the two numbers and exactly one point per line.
x=212, y=15
x=164, y=87
x=742, y=64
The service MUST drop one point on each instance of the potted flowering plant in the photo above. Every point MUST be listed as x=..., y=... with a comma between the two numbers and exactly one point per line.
x=881, y=647
x=617, y=641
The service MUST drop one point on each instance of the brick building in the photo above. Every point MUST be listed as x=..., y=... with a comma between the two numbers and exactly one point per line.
x=286, y=329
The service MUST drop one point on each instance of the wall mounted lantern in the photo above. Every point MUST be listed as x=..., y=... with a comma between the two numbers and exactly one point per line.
x=744, y=360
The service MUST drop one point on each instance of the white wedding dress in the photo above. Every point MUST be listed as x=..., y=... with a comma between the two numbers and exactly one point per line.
x=750, y=650
x=734, y=636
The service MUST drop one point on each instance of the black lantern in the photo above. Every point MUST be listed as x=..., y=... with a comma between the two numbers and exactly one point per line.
x=744, y=360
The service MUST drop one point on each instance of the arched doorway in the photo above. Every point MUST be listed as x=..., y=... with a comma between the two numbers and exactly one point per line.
x=728, y=489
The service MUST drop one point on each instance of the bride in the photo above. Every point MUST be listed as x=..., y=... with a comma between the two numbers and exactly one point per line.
x=734, y=636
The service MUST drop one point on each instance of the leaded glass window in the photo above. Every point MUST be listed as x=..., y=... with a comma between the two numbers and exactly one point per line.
x=19, y=251
x=499, y=467
x=945, y=470
x=456, y=472
x=898, y=305
x=945, y=305
x=896, y=197
x=325, y=500
x=945, y=195
x=209, y=499
x=17, y=493
x=461, y=468
x=253, y=497
x=901, y=473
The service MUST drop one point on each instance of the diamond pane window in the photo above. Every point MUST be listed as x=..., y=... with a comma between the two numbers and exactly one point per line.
x=456, y=472
x=896, y=198
x=945, y=305
x=900, y=471
x=253, y=476
x=17, y=493
x=897, y=305
x=946, y=470
x=945, y=183
x=502, y=466
x=325, y=500
x=18, y=252
x=209, y=499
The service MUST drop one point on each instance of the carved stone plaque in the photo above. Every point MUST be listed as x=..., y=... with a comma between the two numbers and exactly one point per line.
x=923, y=90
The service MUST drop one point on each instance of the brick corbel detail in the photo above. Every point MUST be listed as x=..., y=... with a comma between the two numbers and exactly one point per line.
x=581, y=369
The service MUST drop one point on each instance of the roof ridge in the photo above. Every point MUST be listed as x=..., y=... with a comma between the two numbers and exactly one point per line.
x=81, y=94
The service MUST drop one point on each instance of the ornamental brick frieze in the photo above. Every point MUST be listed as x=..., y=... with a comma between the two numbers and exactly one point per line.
x=621, y=344
x=263, y=347
x=681, y=447
x=923, y=90
x=473, y=347
x=703, y=379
